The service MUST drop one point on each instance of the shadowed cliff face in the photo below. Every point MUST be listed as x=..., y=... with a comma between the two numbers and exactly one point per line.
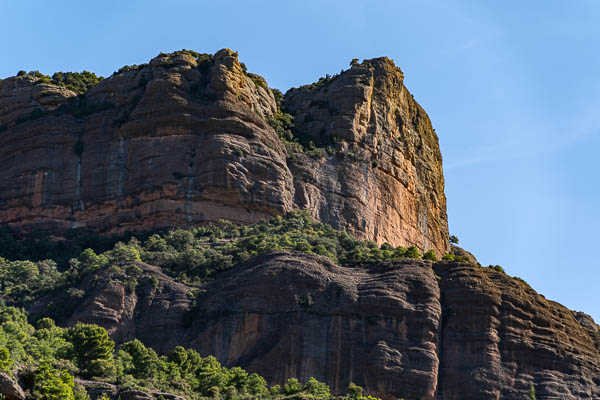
x=400, y=329
x=180, y=143
x=183, y=141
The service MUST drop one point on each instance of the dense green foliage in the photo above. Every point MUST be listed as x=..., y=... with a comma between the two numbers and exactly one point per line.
x=22, y=281
x=92, y=350
x=38, y=245
x=48, y=357
x=192, y=255
x=196, y=254
x=79, y=82
x=283, y=123
x=53, y=384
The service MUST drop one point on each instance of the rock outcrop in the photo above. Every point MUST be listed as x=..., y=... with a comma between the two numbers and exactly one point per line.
x=184, y=140
x=500, y=337
x=386, y=182
x=411, y=329
x=168, y=144
x=9, y=388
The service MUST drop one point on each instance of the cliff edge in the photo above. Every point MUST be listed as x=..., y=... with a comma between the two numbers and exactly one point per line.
x=185, y=140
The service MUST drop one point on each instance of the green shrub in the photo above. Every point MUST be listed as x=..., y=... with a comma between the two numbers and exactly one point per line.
x=516, y=278
x=6, y=362
x=283, y=124
x=53, y=384
x=79, y=82
x=497, y=268
x=430, y=255
x=92, y=350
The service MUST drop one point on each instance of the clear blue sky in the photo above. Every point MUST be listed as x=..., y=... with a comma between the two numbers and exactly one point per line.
x=512, y=88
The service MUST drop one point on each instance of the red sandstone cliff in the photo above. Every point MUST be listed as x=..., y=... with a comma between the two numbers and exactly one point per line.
x=183, y=141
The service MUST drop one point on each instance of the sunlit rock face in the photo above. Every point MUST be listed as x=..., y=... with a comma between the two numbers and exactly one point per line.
x=183, y=141
x=385, y=182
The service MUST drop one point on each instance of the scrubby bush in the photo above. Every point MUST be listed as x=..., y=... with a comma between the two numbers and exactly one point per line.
x=79, y=82
x=497, y=268
x=193, y=255
x=429, y=255
x=53, y=384
x=6, y=362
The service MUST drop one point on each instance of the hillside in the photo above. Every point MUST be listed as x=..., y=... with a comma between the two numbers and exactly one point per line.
x=218, y=239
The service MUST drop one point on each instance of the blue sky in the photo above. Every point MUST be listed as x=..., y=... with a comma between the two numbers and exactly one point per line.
x=512, y=89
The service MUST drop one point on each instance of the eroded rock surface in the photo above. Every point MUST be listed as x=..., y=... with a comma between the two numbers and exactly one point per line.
x=297, y=315
x=9, y=388
x=499, y=337
x=451, y=330
x=183, y=141
x=385, y=182
x=171, y=143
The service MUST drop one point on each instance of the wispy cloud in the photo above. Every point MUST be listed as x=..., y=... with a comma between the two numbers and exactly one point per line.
x=529, y=149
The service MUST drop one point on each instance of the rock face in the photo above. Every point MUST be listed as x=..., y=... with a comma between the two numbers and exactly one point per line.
x=411, y=329
x=171, y=143
x=499, y=337
x=386, y=182
x=9, y=389
x=296, y=315
x=184, y=140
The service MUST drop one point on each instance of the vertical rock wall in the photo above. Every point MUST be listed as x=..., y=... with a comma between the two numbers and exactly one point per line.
x=385, y=182
x=185, y=140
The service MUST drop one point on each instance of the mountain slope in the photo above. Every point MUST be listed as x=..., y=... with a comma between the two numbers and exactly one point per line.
x=194, y=140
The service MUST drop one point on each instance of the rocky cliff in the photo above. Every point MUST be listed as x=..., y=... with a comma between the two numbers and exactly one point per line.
x=188, y=139
x=410, y=329
x=395, y=175
x=185, y=140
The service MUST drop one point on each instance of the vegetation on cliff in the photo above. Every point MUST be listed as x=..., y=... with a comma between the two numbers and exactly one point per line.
x=79, y=82
x=191, y=255
x=46, y=358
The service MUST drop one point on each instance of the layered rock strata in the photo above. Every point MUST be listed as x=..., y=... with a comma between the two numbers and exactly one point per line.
x=386, y=181
x=185, y=140
x=173, y=143
x=407, y=329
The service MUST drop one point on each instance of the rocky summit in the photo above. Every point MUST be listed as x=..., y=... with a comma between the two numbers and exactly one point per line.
x=363, y=287
x=184, y=141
